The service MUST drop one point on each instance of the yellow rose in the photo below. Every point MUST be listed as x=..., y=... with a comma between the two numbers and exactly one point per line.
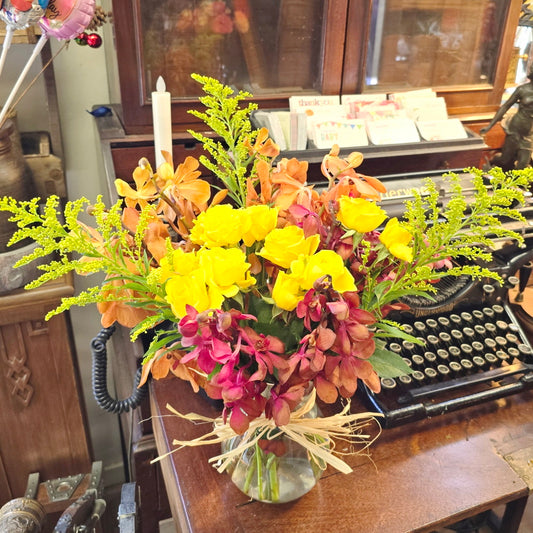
x=359, y=214
x=283, y=246
x=326, y=262
x=188, y=290
x=177, y=262
x=220, y=225
x=263, y=220
x=396, y=240
x=287, y=292
x=225, y=270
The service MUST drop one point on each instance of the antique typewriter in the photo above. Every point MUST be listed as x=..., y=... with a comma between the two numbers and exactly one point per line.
x=474, y=348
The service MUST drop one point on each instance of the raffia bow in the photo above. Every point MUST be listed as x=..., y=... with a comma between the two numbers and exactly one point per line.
x=316, y=435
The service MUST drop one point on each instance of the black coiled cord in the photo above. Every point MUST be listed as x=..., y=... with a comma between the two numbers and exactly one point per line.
x=99, y=378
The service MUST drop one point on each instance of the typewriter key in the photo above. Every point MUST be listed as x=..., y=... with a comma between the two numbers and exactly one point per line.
x=502, y=325
x=455, y=367
x=443, y=355
x=488, y=312
x=479, y=362
x=418, y=361
x=457, y=335
x=466, y=350
x=432, y=342
x=432, y=323
x=466, y=317
x=491, y=359
x=502, y=356
x=467, y=365
x=500, y=341
x=443, y=322
x=388, y=384
x=455, y=320
x=491, y=328
x=445, y=338
x=431, y=374
x=490, y=344
x=407, y=361
x=408, y=329
x=524, y=350
x=395, y=347
x=454, y=351
x=430, y=357
x=443, y=371
x=469, y=334
x=512, y=338
x=478, y=347
x=513, y=328
x=417, y=377
x=408, y=348
x=514, y=352
x=478, y=315
x=480, y=330
x=420, y=327
x=406, y=381
x=498, y=309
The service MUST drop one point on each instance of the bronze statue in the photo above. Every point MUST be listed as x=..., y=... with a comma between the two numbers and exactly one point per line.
x=516, y=150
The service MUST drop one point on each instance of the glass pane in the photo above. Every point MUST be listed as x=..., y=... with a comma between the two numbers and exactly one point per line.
x=264, y=46
x=424, y=43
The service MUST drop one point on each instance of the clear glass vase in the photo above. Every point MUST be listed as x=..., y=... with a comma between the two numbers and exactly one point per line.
x=276, y=469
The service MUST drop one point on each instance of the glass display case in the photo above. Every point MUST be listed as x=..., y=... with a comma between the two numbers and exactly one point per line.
x=277, y=48
x=423, y=43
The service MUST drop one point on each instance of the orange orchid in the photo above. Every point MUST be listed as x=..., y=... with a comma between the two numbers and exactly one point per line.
x=350, y=183
x=156, y=234
x=290, y=179
x=163, y=363
x=119, y=310
x=146, y=189
x=265, y=185
x=263, y=145
x=183, y=183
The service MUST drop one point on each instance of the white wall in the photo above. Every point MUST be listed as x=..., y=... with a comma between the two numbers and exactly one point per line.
x=81, y=81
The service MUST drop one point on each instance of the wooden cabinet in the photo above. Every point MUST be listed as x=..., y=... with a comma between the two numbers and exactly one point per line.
x=42, y=415
x=278, y=48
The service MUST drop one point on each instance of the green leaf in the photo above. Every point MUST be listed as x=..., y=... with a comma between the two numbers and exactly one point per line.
x=387, y=364
x=390, y=329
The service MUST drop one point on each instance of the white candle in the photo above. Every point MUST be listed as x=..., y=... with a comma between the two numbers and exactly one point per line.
x=162, y=117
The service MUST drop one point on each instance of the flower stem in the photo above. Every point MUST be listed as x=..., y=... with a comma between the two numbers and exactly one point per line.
x=249, y=476
x=272, y=469
x=259, y=468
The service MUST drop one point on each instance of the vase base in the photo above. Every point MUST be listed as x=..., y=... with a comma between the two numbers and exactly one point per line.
x=294, y=479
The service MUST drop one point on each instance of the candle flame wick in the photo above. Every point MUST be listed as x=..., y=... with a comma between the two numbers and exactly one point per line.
x=160, y=85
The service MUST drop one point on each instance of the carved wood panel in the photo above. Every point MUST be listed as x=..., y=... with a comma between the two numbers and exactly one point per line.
x=42, y=415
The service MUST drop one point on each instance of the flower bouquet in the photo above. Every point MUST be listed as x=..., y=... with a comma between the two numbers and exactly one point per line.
x=262, y=290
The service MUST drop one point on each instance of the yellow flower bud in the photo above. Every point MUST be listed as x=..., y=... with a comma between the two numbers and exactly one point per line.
x=263, y=220
x=396, y=240
x=220, y=225
x=188, y=290
x=359, y=214
x=326, y=262
x=225, y=269
x=283, y=246
x=286, y=292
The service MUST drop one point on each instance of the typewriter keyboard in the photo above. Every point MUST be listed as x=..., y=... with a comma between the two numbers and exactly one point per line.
x=467, y=357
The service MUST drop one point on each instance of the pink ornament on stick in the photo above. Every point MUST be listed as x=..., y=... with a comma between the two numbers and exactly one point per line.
x=18, y=15
x=64, y=20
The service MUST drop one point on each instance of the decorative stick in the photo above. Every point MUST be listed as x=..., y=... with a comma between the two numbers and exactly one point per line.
x=5, y=47
x=36, y=51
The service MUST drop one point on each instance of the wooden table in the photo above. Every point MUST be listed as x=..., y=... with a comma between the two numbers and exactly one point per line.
x=419, y=477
